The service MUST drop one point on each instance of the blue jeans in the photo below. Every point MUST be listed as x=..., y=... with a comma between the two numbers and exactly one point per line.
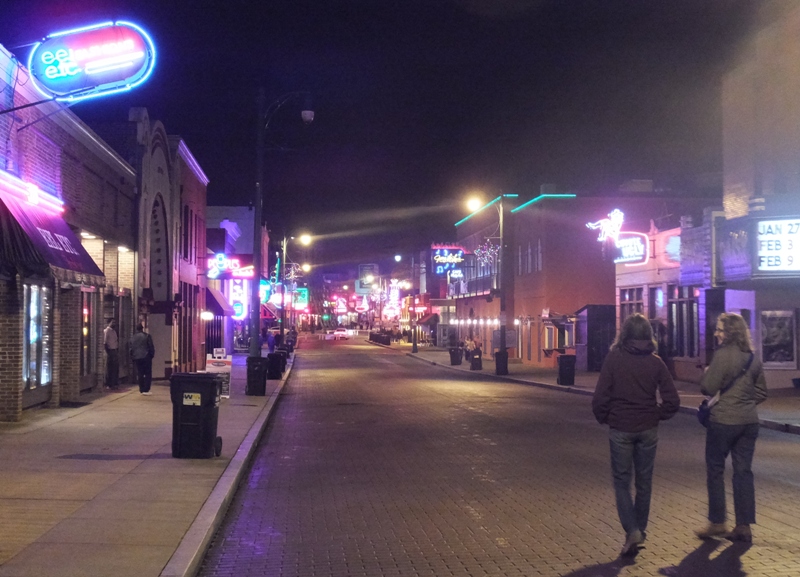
x=740, y=442
x=633, y=454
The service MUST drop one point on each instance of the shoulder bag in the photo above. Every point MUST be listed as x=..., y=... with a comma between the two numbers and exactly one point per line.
x=704, y=410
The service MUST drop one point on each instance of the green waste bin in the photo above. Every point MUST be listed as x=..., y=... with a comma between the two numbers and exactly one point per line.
x=195, y=413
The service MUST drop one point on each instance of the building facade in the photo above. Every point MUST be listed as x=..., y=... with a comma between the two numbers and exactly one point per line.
x=67, y=253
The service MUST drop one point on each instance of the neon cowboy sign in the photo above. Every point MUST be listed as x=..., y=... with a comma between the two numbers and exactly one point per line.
x=92, y=61
x=632, y=248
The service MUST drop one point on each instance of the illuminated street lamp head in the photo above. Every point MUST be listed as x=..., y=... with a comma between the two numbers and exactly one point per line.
x=474, y=204
x=305, y=267
x=397, y=258
x=305, y=239
x=369, y=278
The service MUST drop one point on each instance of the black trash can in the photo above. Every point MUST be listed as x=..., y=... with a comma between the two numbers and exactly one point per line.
x=285, y=350
x=476, y=362
x=256, y=376
x=501, y=362
x=284, y=355
x=195, y=412
x=455, y=356
x=275, y=365
x=566, y=370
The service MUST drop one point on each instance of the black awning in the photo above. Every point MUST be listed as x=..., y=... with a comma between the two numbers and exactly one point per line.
x=36, y=240
x=430, y=319
x=217, y=303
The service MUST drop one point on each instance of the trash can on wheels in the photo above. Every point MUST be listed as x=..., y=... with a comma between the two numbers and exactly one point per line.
x=284, y=355
x=195, y=412
x=566, y=370
x=256, y=377
x=455, y=356
x=476, y=362
x=275, y=365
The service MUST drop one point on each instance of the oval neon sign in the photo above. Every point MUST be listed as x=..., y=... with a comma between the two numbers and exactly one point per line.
x=92, y=61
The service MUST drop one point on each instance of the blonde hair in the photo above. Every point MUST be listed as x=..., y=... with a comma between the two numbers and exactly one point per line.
x=735, y=332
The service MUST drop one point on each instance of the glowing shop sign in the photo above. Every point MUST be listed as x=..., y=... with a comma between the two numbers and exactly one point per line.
x=92, y=61
x=778, y=244
x=632, y=248
x=447, y=260
x=231, y=266
x=238, y=298
x=363, y=307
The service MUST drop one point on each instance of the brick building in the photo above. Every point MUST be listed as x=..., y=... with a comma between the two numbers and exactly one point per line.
x=67, y=262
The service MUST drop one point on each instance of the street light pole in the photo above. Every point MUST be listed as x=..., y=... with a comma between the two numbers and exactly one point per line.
x=283, y=288
x=501, y=357
x=255, y=297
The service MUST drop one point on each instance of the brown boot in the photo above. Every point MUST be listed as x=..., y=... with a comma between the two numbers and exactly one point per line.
x=740, y=533
x=712, y=530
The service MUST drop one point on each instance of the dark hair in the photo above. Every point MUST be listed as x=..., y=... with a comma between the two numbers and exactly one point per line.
x=140, y=328
x=735, y=332
x=635, y=328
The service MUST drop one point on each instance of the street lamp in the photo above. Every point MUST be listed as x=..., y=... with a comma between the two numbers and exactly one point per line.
x=305, y=240
x=265, y=116
x=501, y=357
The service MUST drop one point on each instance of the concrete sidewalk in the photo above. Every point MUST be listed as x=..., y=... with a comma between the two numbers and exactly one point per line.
x=94, y=491
x=781, y=411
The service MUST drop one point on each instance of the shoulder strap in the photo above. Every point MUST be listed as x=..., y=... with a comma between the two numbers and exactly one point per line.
x=736, y=378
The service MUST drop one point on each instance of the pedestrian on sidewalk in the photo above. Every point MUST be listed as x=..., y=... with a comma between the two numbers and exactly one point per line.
x=111, y=346
x=626, y=400
x=732, y=427
x=142, y=352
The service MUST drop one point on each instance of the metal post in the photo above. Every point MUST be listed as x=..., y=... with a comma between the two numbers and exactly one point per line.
x=255, y=298
x=283, y=289
x=501, y=358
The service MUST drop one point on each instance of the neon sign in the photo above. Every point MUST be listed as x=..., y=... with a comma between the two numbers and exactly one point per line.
x=632, y=248
x=92, y=61
x=231, y=266
x=447, y=259
x=238, y=299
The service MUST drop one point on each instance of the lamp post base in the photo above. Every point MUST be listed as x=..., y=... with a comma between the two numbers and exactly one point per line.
x=501, y=362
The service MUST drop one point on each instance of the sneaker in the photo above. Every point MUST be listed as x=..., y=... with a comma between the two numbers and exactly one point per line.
x=740, y=533
x=631, y=546
x=713, y=530
x=147, y=393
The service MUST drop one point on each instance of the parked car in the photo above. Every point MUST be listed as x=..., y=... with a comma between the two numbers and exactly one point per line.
x=340, y=334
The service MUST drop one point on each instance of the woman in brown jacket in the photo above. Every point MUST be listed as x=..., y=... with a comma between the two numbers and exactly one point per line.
x=625, y=399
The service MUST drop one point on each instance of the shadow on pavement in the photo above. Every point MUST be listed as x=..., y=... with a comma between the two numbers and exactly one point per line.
x=611, y=569
x=699, y=563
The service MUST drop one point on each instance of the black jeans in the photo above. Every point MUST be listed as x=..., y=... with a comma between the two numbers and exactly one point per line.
x=112, y=368
x=740, y=442
x=144, y=373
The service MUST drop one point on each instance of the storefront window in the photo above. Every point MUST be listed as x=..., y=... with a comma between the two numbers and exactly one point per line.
x=630, y=301
x=86, y=334
x=37, y=350
x=683, y=333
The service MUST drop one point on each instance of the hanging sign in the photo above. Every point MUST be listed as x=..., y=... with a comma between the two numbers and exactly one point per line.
x=226, y=266
x=92, y=61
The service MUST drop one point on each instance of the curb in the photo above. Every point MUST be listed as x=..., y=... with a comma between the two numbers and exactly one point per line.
x=187, y=558
x=766, y=423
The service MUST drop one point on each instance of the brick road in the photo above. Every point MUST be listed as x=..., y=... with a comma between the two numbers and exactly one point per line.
x=376, y=465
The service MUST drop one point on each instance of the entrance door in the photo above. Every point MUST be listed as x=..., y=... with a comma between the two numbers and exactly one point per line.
x=37, y=352
x=88, y=376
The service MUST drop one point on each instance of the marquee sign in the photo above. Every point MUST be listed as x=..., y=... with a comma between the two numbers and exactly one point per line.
x=238, y=296
x=92, y=61
x=778, y=245
x=631, y=248
x=226, y=266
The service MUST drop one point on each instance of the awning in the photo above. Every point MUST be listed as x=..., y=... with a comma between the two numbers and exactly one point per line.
x=430, y=319
x=217, y=303
x=269, y=311
x=34, y=239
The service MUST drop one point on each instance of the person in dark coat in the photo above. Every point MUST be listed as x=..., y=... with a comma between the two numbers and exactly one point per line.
x=626, y=399
x=142, y=352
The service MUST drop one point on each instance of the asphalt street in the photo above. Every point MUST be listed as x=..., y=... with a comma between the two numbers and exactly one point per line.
x=375, y=464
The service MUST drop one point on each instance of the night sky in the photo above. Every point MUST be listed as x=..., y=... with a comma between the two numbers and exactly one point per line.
x=420, y=102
